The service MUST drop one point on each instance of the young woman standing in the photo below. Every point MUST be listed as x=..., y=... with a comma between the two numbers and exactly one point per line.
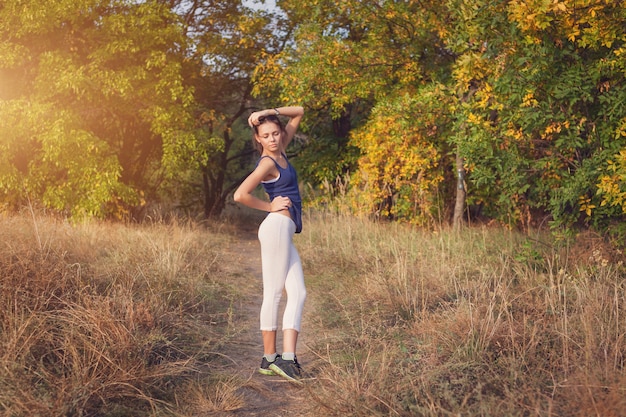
x=280, y=262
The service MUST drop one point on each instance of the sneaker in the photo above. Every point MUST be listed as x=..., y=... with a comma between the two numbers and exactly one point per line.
x=288, y=369
x=265, y=366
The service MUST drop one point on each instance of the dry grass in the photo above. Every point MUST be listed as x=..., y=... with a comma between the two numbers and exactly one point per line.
x=480, y=322
x=107, y=320
x=116, y=320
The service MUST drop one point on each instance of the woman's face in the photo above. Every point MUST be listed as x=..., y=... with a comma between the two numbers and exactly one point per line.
x=268, y=135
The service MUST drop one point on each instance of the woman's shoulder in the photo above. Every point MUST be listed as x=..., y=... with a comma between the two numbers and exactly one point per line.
x=266, y=163
x=265, y=159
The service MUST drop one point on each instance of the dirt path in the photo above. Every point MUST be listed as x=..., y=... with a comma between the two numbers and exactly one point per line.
x=262, y=395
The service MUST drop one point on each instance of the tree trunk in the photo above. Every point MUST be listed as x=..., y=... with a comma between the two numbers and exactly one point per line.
x=459, y=206
x=213, y=181
x=214, y=201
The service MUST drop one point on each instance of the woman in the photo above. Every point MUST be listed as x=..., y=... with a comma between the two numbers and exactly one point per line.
x=280, y=261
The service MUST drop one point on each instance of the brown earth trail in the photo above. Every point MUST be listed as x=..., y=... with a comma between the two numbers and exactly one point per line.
x=259, y=395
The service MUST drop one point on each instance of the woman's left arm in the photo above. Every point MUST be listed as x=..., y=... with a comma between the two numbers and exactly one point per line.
x=295, y=114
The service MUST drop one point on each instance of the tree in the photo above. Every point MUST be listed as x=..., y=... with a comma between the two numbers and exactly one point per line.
x=227, y=41
x=372, y=57
x=90, y=90
x=530, y=102
x=400, y=159
x=545, y=111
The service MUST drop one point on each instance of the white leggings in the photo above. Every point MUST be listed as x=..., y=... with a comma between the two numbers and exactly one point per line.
x=282, y=269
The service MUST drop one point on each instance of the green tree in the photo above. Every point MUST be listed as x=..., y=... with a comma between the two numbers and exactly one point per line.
x=353, y=60
x=530, y=99
x=546, y=88
x=226, y=42
x=90, y=89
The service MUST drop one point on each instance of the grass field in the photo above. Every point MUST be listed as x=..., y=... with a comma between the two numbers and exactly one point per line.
x=105, y=319
x=484, y=322
x=102, y=319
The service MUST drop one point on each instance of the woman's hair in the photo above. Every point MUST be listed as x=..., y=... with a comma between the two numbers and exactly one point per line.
x=265, y=119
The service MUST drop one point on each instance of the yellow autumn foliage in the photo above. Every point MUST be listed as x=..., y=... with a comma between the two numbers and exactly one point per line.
x=586, y=22
x=612, y=185
x=399, y=166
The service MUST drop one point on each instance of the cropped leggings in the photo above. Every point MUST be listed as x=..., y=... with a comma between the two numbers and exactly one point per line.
x=281, y=269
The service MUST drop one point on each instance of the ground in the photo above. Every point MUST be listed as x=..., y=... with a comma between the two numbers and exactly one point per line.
x=262, y=395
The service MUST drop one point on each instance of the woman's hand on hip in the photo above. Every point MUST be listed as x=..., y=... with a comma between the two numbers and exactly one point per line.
x=280, y=203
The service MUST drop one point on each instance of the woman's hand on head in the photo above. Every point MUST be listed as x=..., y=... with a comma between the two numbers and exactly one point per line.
x=253, y=120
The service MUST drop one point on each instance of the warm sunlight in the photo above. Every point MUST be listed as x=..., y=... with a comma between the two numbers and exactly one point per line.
x=444, y=182
x=5, y=82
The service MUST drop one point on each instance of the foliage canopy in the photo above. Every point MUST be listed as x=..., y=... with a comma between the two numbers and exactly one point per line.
x=530, y=94
x=107, y=105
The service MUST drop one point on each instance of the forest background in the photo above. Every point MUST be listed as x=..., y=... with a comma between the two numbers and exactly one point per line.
x=424, y=114
x=428, y=112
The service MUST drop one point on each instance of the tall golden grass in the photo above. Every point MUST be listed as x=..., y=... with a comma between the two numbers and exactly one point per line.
x=103, y=319
x=481, y=322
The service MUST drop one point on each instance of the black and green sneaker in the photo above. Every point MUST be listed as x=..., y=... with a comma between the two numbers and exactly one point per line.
x=288, y=369
x=265, y=366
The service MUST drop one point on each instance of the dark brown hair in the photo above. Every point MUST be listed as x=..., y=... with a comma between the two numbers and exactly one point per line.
x=262, y=120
